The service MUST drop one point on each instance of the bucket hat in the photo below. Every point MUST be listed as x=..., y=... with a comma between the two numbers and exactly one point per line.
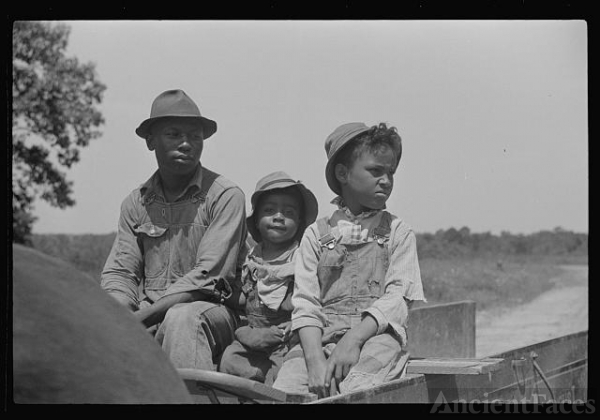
x=335, y=142
x=280, y=180
x=175, y=103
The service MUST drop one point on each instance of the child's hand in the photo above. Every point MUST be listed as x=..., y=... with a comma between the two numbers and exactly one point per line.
x=286, y=329
x=317, y=370
x=259, y=339
x=345, y=355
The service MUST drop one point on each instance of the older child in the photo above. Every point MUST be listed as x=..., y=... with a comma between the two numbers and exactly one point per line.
x=356, y=274
x=281, y=210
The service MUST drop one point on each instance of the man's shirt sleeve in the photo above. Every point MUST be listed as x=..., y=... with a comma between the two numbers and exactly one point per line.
x=122, y=271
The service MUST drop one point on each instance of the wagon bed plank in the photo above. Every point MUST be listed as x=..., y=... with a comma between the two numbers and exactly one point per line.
x=452, y=366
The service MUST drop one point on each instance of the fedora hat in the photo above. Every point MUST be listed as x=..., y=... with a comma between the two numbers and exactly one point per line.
x=276, y=181
x=175, y=104
x=334, y=144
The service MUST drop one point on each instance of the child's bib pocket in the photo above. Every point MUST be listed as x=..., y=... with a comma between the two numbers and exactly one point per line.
x=330, y=267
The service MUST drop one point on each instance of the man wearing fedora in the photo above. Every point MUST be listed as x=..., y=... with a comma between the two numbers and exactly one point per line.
x=180, y=242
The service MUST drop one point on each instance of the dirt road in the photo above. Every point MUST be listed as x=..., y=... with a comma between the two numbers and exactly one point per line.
x=561, y=310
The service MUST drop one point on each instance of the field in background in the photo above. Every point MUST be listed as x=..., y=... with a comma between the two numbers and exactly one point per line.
x=494, y=271
x=490, y=282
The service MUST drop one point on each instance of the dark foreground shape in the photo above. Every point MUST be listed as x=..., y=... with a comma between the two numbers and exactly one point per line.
x=72, y=343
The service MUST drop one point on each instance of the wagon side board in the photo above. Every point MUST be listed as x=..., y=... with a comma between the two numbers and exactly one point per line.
x=562, y=362
x=442, y=330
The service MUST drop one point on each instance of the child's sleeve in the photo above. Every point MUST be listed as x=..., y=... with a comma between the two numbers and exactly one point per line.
x=306, y=297
x=402, y=281
x=286, y=305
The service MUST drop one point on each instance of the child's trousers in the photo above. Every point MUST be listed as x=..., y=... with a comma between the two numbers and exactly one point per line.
x=250, y=364
x=381, y=360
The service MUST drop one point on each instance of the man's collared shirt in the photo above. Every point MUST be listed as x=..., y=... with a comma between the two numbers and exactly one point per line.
x=185, y=245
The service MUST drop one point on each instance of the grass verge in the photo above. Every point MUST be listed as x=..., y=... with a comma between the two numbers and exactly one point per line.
x=489, y=282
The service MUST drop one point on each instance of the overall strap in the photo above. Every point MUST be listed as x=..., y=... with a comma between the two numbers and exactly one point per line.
x=326, y=239
x=208, y=178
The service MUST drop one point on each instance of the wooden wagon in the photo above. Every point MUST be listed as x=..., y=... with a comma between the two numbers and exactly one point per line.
x=442, y=369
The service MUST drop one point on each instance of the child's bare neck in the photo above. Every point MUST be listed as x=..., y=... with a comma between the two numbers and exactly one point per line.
x=271, y=251
x=354, y=207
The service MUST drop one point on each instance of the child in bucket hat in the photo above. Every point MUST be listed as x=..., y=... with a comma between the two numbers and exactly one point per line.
x=281, y=209
x=357, y=273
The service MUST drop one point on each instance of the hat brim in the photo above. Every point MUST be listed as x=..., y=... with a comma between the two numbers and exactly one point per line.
x=311, y=208
x=209, y=126
x=332, y=181
x=330, y=177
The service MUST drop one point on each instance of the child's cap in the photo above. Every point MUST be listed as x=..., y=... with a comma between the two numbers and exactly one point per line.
x=335, y=142
x=280, y=180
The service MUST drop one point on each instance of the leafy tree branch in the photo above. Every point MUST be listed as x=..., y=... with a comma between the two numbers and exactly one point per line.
x=54, y=114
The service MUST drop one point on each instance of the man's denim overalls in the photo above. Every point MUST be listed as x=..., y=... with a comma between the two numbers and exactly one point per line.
x=192, y=333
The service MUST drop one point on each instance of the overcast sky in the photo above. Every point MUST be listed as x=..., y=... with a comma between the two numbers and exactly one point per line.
x=493, y=114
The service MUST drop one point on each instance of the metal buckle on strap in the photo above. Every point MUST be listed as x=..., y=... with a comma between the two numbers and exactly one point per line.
x=328, y=241
x=381, y=235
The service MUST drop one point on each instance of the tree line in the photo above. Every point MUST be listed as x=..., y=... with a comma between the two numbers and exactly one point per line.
x=88, y=252
x=463, y=243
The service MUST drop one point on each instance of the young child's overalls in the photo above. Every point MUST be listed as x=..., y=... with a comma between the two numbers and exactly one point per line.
x=258, y=314
x=254, y=355
x=351, y=277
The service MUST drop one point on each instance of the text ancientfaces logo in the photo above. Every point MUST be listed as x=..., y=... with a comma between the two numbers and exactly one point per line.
x=539, y=403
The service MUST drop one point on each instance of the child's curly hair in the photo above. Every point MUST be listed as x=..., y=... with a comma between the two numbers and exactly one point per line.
x=378, y=138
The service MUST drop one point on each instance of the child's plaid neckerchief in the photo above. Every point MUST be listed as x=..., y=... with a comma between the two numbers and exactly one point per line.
x=352, y=228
